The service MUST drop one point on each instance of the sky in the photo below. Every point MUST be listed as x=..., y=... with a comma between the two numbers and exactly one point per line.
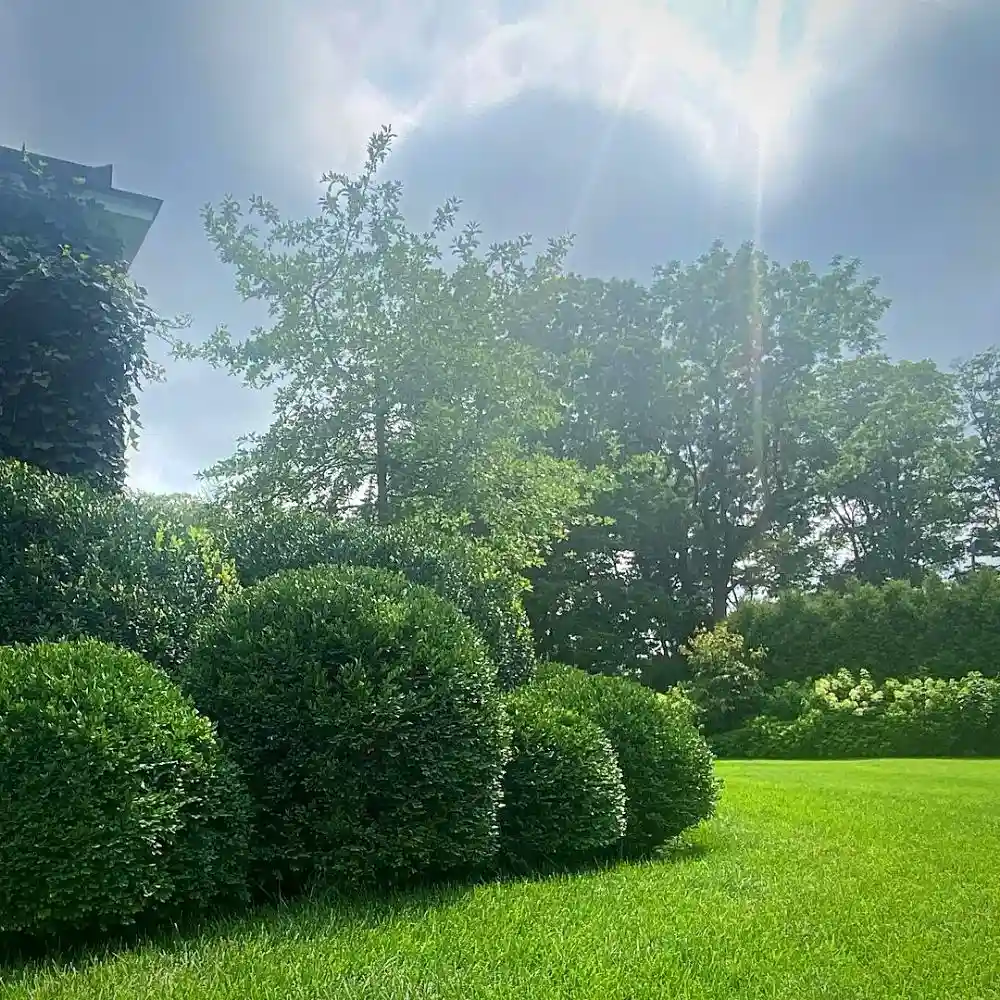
x=646, y=127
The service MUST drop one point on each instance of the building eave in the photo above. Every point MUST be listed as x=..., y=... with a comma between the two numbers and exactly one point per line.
x=94, y=184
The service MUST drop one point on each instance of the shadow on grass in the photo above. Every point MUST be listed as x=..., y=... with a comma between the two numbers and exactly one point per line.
x=23, y=958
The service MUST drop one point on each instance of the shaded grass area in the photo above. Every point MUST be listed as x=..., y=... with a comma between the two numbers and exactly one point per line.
x=870, y=879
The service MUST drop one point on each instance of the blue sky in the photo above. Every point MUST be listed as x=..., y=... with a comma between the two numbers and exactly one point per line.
x=647, y=127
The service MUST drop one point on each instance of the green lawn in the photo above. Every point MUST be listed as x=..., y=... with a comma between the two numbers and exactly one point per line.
x=868, y=879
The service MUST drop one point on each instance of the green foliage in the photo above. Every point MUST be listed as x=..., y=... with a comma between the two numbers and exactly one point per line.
x=609, y=599
x=666, y=764
x=941, y=628
x=847, y=715
x=117, y=802
x=73, y=330
x=76, y=561
x=698, y=391
x=891, y=443
x=978, y=380
x=726, y=677
x=564, y=796
x=787, y=701
x=399, y=379
x=488, y=595
x=363, y=710
x=182, y=510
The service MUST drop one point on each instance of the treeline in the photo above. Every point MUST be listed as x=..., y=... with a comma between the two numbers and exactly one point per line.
x=646, y=454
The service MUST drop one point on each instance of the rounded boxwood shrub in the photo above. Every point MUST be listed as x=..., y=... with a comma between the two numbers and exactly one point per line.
x=78, y=562
x=364, y=711
x=666, y=764
x=564, y=797
x=264, y=544
x=118, y=803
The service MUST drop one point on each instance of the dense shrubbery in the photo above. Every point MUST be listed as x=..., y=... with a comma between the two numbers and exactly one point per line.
x=487, y=596
x=364, y=713
x=117, y=802
x=843, y=715
x=564, y=796
x=941, y=629
x=666, y=764
x=78, y=562
x=725, y=678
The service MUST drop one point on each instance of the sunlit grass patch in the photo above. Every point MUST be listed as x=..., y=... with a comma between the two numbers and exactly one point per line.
x=871, y=879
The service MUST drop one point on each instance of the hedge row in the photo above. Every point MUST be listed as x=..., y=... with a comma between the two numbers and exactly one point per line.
x=941, y=629
x=77, y=562
x=852, y=716
x=356, y=750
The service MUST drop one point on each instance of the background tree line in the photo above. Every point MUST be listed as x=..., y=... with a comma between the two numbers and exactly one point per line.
x=647, y=453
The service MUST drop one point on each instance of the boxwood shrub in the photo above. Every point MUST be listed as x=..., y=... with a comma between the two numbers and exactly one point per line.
x=564, y=796
x=364, y=711
x=666, y=764
x=490, y=598
x=118, y=804
x=79, y=562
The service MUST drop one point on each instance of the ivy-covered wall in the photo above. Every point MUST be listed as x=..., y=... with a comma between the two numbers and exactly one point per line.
x=73, y=329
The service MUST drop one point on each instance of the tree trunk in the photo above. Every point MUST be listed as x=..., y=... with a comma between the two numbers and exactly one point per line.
x=720, y=592
x=382, y=467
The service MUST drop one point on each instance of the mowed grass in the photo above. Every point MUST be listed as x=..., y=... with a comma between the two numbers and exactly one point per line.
x=869, y=879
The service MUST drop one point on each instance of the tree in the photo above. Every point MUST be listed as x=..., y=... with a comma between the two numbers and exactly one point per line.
x=895, y=460
x=726, y=677
x=617, y=593
x=748, y=339
x=697, y=390
x=979, y=387
x=614, y=596
x=402, y=390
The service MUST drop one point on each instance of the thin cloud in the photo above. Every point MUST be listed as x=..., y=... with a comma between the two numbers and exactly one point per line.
x=741, y=80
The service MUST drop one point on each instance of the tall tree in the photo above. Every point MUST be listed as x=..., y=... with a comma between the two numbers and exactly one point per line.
x=617, y=592
x=895, y=461
x=979, y=386
x=401, y=388
x=748, y=338
x=697, y=389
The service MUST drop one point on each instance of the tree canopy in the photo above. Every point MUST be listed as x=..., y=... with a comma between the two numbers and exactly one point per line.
x=650, y=453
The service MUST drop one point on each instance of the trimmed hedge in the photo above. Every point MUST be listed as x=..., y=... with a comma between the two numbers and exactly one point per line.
x=940, y=629
x=77, y=562
x=848, y=716
x=666, y=763
x=489, y=598
x=117, y=801
x=564, y=795
x=364, y=712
